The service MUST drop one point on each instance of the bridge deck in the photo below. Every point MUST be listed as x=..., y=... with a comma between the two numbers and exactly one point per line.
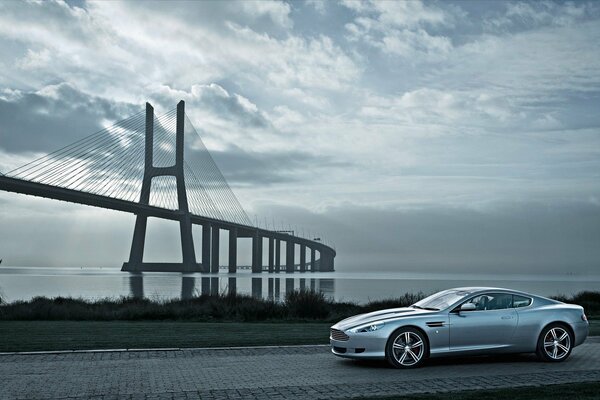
x=15, y=185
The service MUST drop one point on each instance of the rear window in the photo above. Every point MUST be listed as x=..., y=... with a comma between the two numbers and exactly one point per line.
x=521, y=301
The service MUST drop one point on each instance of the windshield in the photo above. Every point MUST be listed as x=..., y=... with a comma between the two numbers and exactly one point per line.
x=441, y=300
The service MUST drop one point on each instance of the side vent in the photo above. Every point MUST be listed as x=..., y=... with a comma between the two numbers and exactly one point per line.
x=436, y=324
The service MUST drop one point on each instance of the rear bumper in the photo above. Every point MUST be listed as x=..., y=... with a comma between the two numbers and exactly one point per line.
x=581, y=331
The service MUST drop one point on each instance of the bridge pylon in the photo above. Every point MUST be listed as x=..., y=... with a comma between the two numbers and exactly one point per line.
x=136, y=255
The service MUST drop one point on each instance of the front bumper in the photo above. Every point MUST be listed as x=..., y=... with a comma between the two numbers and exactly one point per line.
x=359, y=346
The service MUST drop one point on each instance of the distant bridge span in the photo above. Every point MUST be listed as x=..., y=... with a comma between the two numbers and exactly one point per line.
x=58, y=176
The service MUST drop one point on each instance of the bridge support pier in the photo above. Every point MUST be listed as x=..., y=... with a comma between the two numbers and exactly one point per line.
x=312, y=259
x=289, y=256
x=206, y=247
x=326, y=262
x=257, y=256
x=187, y=245
x=214, y=262
x=233, y=250
x=136, y=255
x=277, y=255
x=302, y=258
x=271, y=254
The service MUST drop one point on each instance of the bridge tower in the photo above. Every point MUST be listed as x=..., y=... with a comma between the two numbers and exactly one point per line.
x=136, y=255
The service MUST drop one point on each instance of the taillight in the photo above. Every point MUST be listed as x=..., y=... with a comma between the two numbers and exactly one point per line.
x=583, y=317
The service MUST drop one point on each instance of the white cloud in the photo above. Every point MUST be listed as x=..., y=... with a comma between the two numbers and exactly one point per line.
x=286, y=118
x=449, y=110
x=119, y=49
x=389, y=101
x=34, y=59
x=528, y=15
x=386, y=105
x=278, y=11
x=408, y=43
x=319, y=5
x=401, y=28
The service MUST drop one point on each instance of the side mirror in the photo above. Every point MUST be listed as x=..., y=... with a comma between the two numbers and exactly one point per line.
x=468, y=307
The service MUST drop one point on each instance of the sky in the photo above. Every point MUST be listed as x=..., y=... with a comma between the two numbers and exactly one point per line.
x=413, y=136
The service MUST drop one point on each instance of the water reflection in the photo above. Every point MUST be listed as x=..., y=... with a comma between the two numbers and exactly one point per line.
x=136, y=285
x=258, y=287
x=187, y=287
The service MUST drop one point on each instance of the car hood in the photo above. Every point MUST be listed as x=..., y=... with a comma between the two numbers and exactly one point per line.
x=382, y=315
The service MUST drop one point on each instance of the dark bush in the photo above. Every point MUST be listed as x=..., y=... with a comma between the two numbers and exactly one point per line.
x=298, y=306
x=307, y=304
x=403, y=301
x=590, y=301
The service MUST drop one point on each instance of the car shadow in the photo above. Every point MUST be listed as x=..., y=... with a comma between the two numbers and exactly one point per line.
x=448, y=361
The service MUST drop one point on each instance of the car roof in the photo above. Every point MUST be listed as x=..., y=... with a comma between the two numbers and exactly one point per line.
x=478, y=289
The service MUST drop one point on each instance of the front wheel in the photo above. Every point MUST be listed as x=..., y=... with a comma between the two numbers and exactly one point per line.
x=406, y=348
x=555, y=343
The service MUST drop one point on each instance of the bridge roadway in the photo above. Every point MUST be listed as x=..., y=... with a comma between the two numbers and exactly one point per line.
x=294, y=372
x=323, y=263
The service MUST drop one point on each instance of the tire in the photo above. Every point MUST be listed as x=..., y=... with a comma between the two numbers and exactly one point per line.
x=555, y=343
x=406, y=348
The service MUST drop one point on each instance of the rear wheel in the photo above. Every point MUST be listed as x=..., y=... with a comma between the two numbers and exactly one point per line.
x=555, y=343
x=406, y=348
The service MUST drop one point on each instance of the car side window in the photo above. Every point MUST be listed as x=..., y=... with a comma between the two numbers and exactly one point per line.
x=521, y=301
x=492, y=301
x=480, y=302
x=500, y=301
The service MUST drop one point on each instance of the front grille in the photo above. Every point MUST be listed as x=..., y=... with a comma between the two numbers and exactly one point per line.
x=339, y=335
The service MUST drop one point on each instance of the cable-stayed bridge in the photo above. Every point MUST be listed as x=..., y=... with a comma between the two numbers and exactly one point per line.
x=158, y=166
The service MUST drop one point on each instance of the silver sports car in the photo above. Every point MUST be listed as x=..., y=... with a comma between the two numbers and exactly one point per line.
x=463, y=321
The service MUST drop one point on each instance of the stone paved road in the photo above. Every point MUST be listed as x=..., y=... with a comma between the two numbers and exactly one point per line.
x=308, y=372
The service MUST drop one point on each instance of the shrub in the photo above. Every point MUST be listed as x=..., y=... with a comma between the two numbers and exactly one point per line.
x=298, y=305
x=307, y=304
x=589, y=300
x=405, y=300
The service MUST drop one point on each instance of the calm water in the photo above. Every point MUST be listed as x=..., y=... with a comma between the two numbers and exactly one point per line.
x=22, y=283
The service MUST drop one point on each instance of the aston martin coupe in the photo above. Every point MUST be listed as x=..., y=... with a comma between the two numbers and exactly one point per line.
x=463, y=321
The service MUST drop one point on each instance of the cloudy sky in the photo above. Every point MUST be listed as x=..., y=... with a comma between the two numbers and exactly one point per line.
x=414, y=136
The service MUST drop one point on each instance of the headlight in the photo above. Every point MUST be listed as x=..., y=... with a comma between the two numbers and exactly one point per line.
x=368, y=328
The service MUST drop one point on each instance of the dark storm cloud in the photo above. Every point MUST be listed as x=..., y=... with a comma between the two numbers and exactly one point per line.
x=515, y=238
x=421, y=106
x=53, y=117
x=241, y=167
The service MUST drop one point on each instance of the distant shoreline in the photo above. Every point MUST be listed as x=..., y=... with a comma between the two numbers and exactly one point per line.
x=298, y=305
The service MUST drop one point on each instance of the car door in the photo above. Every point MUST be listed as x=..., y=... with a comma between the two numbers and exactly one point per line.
x=491, y=325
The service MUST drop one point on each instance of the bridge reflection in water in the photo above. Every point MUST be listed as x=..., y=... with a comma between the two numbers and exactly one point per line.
x=272, y=288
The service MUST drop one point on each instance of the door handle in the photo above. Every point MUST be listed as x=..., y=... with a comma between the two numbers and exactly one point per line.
x=506, y=317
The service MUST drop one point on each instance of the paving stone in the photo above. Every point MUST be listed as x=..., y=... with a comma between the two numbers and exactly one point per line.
x=302, y=372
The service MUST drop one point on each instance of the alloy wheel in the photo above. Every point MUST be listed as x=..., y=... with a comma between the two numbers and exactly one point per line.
x=408, y=348
x=557, y=343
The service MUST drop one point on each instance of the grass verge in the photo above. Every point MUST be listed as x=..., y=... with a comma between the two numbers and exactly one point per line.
x=87, y=335
x=571, y=391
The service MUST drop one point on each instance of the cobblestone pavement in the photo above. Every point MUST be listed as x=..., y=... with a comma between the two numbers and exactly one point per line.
x=297, y=372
